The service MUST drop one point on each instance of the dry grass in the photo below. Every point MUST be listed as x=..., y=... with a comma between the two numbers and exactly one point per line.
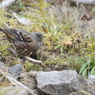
x=58, y=27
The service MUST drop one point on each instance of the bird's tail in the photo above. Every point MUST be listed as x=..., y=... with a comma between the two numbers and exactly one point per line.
x=2, y=29
x=6, y=30
x=12, y=32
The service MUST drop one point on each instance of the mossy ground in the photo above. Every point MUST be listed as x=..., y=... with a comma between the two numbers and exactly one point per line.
x=58, y=29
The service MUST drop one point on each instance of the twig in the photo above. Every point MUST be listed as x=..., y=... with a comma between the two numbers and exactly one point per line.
x=12, y=80
x=16, y=83
x=91, y=2
x=34, y=60
x=22, y=20
x=6, y=3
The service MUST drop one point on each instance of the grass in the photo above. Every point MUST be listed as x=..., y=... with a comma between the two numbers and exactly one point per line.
x=58, y=29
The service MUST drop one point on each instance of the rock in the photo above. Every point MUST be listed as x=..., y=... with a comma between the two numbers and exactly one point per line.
x=0, y=53
x=15, y=70
x=91, y=24
x=87, y=2
x=10, y=90
x=22, y=20
x=54, y=82
x=28, y=80
x=33, y=73
x=3, y=69
x=2, y=64
x=58, y=2
x=92, y=77
x=63, y=83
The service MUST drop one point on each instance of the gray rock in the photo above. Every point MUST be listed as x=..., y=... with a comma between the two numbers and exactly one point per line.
x=28, y=80
x=10, y=90
x=62, y=83
x=33, y=73
x=2, y=67
x=15, y=70
x=2, y=64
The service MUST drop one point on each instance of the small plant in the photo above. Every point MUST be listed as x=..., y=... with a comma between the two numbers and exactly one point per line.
x=92, y=12
x=88, y=68
x=28, y=66
x=3, y=16
x=4, y=48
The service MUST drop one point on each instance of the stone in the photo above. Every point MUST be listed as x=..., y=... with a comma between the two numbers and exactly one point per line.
x=2, y=64
x=33, y=73
x=54, y=82
x=58, y=2
x=15, y=70
x=11, y=90
x=29, y=81
x=63, y=83
x=2, y=67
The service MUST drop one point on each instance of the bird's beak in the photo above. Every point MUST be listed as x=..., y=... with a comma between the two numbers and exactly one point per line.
x=43, y=36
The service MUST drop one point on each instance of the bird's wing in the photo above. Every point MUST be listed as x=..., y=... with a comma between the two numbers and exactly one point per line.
x=18, y=34
x=11, y=33
x=26, y=47
x=28, y=37
x=22, y=38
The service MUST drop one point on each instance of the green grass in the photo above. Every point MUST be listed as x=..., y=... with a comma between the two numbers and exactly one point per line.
x=58, y=29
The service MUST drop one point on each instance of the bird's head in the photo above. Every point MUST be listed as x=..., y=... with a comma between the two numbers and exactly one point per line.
x=38, y=36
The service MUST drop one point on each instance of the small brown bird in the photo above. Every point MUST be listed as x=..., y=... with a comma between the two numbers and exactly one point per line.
x=25, y=43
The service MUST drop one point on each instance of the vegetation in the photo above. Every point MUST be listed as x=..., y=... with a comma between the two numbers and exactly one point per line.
x=63, y=47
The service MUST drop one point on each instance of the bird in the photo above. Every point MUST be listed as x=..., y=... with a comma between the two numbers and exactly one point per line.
x=25, y=43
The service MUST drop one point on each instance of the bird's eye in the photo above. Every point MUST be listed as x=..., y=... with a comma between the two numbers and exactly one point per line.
x=39, y=35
